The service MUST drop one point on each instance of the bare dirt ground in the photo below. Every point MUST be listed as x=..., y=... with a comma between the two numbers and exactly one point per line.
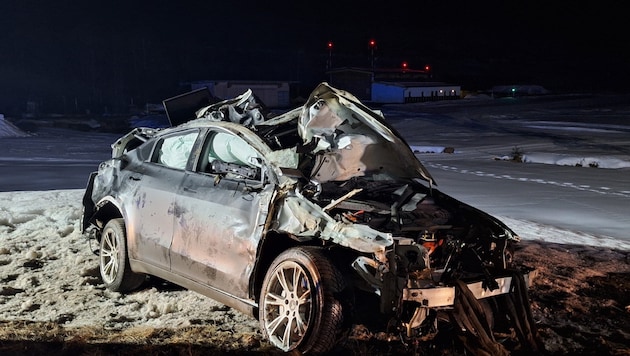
x=580, y=301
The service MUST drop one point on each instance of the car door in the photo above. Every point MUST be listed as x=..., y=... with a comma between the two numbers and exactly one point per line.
x=153, y=202
x=221, y=210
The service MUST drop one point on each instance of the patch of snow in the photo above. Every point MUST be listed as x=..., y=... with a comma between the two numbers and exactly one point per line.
x=48, y=273
x=7, y=129
x=607, y=162
x=429, y=149
x=529, y=230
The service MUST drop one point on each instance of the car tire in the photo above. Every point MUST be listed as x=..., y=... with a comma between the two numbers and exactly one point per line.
x=113, y=260
x=299, y=308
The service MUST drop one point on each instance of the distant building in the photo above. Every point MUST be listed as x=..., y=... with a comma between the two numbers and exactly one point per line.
x=413, y=92
x=271, y=93
x=393, y=85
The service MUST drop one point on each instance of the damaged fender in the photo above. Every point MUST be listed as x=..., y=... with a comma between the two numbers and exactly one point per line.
x=305, y=220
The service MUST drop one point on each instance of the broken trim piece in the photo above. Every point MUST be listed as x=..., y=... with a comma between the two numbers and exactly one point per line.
x=445, y=296
x=304, y=219
x=348, y=195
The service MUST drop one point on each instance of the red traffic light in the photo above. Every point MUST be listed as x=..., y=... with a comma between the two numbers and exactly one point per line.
x=330, y=45
x=372, y=43
x=404, y=65
x=427, y=68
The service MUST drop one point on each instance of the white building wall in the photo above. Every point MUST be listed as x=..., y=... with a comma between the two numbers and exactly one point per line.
x=436, y=91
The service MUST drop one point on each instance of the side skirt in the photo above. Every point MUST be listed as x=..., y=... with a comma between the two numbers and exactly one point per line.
x=245, y=306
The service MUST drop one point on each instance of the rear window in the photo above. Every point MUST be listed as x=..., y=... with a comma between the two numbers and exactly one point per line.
x=174, y=151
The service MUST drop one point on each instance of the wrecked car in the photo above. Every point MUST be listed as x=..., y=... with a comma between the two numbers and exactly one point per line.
x=311, y=221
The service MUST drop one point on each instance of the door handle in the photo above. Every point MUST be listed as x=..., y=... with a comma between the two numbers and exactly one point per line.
x=186, y=189
x=135, y=178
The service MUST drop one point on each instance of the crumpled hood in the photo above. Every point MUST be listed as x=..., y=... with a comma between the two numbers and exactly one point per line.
x=351, y=140
x=345, y=138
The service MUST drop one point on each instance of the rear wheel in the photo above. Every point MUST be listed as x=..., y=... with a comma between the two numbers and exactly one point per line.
x=298, y=305
x=114, y=262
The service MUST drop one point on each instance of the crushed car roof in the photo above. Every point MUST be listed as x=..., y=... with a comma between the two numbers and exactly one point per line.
x=356, y=140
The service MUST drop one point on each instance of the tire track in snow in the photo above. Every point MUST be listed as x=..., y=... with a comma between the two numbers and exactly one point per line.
x=570, y=185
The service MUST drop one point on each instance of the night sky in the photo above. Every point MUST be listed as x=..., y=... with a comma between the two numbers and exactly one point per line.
x=69, y=56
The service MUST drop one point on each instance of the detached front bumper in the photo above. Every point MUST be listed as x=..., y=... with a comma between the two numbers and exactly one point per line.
x=436, y=297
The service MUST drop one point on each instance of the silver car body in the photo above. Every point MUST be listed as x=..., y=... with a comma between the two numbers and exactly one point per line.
x=235, y=188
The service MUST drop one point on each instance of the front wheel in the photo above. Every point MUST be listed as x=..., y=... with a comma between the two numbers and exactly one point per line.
x=114, y=263
x=298, y=305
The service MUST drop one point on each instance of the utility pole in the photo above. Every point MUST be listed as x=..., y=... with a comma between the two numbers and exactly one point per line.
x=329, y=62
x=372, y=45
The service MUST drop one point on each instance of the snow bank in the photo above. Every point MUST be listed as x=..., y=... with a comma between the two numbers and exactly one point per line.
x=544, y=158
x=432, y=149
x=559, y=159
x=532, y=231
x=577, y=161
x=7, y=129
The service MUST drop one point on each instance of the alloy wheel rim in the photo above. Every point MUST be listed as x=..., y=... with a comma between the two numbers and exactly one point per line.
x=288, y=305
x=109, y=257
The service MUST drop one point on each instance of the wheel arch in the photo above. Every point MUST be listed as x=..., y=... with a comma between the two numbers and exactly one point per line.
x=106, y=210
x=271, y=246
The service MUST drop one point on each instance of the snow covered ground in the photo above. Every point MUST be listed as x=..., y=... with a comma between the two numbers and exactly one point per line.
x=43, y=254
x=571, y=189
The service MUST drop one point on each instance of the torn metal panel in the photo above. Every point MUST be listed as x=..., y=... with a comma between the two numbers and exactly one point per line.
x=300, y=217
x=356, y=236
x=354, y=140
x=122, y=145
x=347, y=196
x=242, y=110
